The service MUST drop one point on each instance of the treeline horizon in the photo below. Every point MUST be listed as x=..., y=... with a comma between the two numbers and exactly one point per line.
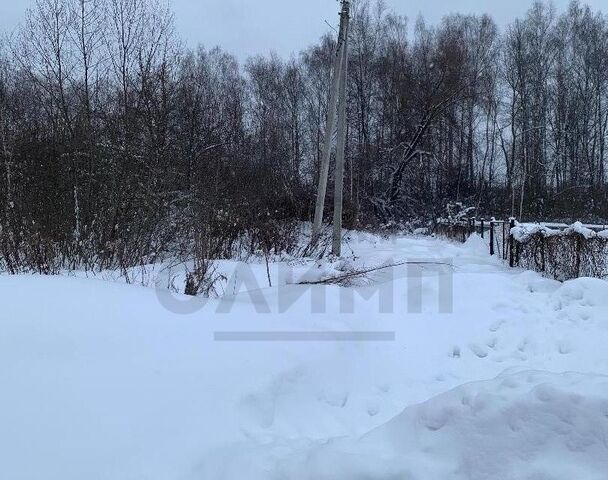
x=118, y=144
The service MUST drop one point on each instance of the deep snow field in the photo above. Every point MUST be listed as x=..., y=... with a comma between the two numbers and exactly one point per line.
x=103, y=380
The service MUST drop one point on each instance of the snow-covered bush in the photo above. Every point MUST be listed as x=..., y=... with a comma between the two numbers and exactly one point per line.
x=457, y=212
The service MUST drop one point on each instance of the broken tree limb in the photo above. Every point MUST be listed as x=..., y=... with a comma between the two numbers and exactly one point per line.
x=340, y=279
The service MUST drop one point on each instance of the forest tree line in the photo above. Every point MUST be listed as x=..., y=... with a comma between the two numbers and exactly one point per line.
x=118, y=143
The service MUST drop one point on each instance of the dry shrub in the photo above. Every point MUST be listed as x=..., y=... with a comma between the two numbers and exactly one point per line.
x=564, y=256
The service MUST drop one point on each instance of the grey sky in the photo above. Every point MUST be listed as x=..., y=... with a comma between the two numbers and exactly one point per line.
x=248, y=27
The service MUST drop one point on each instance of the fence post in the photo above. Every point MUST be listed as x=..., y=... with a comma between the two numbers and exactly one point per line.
x=492, y=236
x=511, y=243
x=503, y=252
x=579, y=241
x=482, y=226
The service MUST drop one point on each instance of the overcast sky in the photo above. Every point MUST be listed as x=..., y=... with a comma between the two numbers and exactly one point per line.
x=248, y=27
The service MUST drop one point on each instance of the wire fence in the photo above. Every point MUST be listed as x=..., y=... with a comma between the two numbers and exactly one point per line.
x=556, y=250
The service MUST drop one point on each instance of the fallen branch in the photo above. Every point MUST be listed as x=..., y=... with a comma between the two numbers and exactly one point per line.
x=340, y=279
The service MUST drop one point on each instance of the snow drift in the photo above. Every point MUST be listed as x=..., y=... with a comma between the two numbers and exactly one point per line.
x=525, y=425
x=98, y=381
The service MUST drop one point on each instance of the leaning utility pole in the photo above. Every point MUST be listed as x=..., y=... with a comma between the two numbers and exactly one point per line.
x=338, y=78
x=340, y=148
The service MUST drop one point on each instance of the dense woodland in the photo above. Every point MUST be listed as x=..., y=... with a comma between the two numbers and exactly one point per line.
x=119, y=144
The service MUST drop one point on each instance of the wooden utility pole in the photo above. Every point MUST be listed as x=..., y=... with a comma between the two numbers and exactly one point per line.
x=331, y=118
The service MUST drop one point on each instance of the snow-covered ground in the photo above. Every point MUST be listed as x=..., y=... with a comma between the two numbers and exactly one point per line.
x=101, y=380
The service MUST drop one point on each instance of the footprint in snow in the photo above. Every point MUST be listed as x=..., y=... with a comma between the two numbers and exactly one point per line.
x=455, y=352
x=564, y=347
x=373, y=408
x=584, y=316
x=496, y=326
x=478, y=350
x=260, y=409
x=337, y=399
x=523, y=345
x=502, y=307
x=384, y=388
x=499, y=358
x=518, y=355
